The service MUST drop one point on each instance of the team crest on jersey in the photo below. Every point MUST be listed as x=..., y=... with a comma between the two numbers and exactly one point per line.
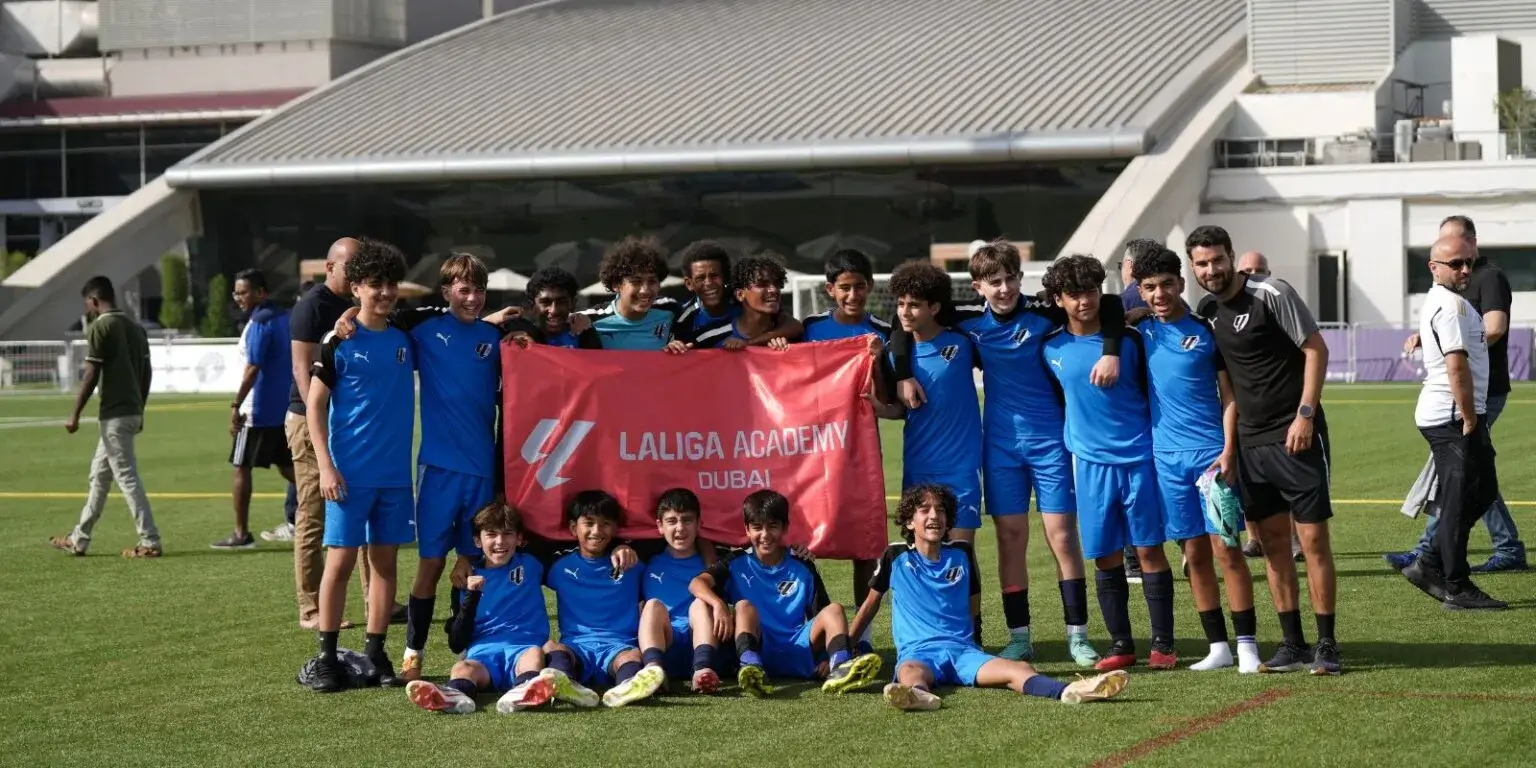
x=1020, y=336
x=516, y=575
x=951, y=575
x=787, y=587
x=659, y=331
x=400, y=354
x=1240, y=322
x=949, y=352
x=1190, y=342
x=614, y=574
x=483, y=350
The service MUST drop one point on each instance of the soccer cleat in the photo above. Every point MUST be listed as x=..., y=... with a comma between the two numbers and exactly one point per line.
x=570, y=691
x=141, y=551
x=535, y=692
x=705, y=681
x=1121, y=655
x=909, y=699
x=439, y=698
x=1287, y=658
x=750, y=678
x=1473, y=599
x=1163, y=656
x=1019, y=647
x=281, y=532
x=1096, y=688
x=1401, y=560
x=1081, y=650
x=330, y=676
x=66, y=544
x=1253, y=549
x=1325, y=658
x=235, y=541
x=410, y=666
x=384, y=671
x=852, y=674
x=645, y=682
x=1501, y=563
x=1296, y=553
x=1132, y=566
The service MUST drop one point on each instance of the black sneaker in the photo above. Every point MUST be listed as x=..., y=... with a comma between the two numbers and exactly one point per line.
x=329, y=675
x=1428, y=582
x=1325, y=658
x=1288, y=658
x=235, y=541
x=1252, y=549
x=1132, y=566
x=1473, y=599
x=384, y=671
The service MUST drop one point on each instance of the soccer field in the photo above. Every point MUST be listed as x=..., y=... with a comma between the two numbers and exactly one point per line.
x=191, y=659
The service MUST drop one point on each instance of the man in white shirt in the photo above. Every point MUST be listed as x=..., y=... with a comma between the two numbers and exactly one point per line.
x=1450, y=416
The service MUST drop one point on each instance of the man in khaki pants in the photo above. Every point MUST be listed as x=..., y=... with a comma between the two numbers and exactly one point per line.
x=117, y=358
x=311, y=319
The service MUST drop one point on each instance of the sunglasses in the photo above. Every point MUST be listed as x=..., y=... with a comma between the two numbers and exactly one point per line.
x=1455, y=264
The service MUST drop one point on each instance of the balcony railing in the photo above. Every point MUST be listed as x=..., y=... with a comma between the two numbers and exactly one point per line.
x=1432, y=144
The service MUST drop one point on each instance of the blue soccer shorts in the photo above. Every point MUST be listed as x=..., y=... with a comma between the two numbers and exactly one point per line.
x=1183, y=505
x=594, y=658
x=967, y=489
x=950, y=662
x=1012, y=472
x=499, y=657
x=1117, y=507
x=790, y=656
x=446, y=502
x=679, y=658
x=383, y=516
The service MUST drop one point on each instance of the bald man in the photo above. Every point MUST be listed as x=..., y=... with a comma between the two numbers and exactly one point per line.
x=311, y=319
x=1253, y=263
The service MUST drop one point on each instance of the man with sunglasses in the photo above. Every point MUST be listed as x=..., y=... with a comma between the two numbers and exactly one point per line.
x=1488, y=291
x=1451, y=414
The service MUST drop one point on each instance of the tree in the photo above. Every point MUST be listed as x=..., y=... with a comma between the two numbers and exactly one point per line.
x=216, y=324
x=1517, y=117
x=175, y=293
x=10, y=262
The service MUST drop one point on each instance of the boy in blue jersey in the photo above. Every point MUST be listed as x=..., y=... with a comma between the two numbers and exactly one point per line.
x=1109, y=432
x=849, y=278
x=941, y=442
x=707, y=272
x=1194, y=428
x=758, y=282
x=1023, y=452
x=639, y=318
x=671, y=563
x=936, y=615
x=599, y=608
x=361, y=404
x=552, y=291
x=500, y=626
x=778, y=608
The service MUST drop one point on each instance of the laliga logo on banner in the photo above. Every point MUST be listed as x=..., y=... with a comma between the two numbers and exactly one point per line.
x=548, y=473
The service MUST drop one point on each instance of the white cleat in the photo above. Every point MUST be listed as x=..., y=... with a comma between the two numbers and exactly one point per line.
x=439, y=698
x=535, y=692
x=909, y=699
x=1096, y=688
x=570, y=691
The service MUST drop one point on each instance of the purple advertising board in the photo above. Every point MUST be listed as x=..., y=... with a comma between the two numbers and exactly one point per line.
x=1376, y=355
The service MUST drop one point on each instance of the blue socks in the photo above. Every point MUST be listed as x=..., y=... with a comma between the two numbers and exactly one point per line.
x=652, y=656
x=1044, y=687
x=703, y=657
x=626, y=671
x=1114, y=595
x=563, y=661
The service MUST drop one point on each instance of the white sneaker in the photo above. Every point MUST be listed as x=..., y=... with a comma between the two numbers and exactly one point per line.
x=439, y=698
x=909, y=699
x=282, y=532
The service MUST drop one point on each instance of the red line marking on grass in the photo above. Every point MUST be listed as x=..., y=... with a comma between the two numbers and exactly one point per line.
x=1191, y=728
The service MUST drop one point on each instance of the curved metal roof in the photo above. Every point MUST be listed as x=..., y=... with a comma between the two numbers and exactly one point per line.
x=588, y=87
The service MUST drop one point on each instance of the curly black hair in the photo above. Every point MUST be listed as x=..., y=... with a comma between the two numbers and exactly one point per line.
x=631, y=257
x=1141, y=246
x=1208, y=236
x=1158, y=262
x=1073, y=274
x=375, y=260
x=921, y=280
x=757, y=269
x=551, y=277
x=913, y=497
x=705, y=250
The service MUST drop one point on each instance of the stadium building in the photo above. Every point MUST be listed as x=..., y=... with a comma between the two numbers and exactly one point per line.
x=1333, y=136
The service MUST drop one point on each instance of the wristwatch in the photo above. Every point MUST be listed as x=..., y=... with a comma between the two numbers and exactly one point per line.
x=1305, y=411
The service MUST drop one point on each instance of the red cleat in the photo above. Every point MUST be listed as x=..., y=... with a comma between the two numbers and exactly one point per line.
x=1162, y=659
x=705, y=681
x=1116, y=661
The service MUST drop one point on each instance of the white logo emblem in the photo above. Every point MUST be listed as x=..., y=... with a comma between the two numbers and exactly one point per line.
x=1190, y=342
x=444, y=337
x=548, y=474
x=1056, y=362
x=1240, y=322
x=363, y=356
x=1021, y=336
x=483, y=350
x=573, y=574
x=400, y=354
x=656, y=576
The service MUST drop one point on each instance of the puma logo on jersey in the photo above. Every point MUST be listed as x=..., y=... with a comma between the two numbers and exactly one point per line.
x=949, y=352
x=363, y=356
x=444, y=337
x=787, y=587
x=1190, y=342
x=656, y=576
x=1057, y=363
x=516, y=576
x=572, y=573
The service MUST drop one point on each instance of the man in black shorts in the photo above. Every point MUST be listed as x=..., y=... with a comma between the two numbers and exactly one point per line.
x=1277, y=359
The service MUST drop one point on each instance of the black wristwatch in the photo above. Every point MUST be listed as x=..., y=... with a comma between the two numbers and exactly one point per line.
x=1305, y=411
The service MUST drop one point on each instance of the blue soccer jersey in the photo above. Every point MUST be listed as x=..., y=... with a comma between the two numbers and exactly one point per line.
x=943, y=437
x=824, y=327
x=930, y=599
x=460, y=367
x=650, y=333
x=787, y=596
x=267, y=346
x=594, y=600
x=666, y=579
x=1021, y=402
x=511, y=605
x=1105, y=425
x=1182, y=363
x=372, y=378
x=563, y=339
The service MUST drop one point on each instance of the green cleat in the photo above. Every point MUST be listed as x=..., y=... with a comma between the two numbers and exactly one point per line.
x=751, y=680
x=852, y=674
x=1019, y=647
x=1082, y=651
x=645, y=682
x=570, y=691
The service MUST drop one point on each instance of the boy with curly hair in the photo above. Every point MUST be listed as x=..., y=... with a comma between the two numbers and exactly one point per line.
x=639, y=317
x=757, y=282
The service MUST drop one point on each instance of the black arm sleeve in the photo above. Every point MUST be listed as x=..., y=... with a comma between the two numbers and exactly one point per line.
x=589, y=339
x=887, y=380
x=1141, y=364
x=822, y=599
x=880, y=581
x=1111, y=315
x=324, y=368
x=970, y=558
x=522, y=325
x=900, y=347
x=461, y=623
x=406, y=319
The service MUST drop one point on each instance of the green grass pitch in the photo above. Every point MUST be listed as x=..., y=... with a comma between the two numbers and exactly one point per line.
x=190, y=660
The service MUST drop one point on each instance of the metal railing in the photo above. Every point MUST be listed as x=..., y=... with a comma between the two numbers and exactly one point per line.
x=1430, y=144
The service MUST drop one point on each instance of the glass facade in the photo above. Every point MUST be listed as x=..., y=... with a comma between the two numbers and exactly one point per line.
x=1518, y=263
x=526, y=224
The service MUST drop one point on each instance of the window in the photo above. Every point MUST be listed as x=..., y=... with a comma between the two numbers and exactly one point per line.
x=1518, y=263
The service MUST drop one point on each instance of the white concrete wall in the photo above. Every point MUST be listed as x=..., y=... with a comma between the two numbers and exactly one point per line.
x=213, y=69
x=1427, y=62
x=1474, y=85
x=1302, y=115
x=1283, y=235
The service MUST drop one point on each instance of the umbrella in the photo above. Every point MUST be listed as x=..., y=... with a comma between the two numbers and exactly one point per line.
x=574, y=256
x=598, y=289
x=819, y=249
x=410, y=290
x=507, y=280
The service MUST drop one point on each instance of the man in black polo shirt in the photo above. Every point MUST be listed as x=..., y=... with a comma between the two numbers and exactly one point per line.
x=1277, y=359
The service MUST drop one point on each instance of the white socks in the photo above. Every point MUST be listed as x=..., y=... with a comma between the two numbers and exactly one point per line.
x=1220, y=656
x=1247, y=656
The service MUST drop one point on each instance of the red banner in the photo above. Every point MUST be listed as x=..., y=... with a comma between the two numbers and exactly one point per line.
x=721, y=423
